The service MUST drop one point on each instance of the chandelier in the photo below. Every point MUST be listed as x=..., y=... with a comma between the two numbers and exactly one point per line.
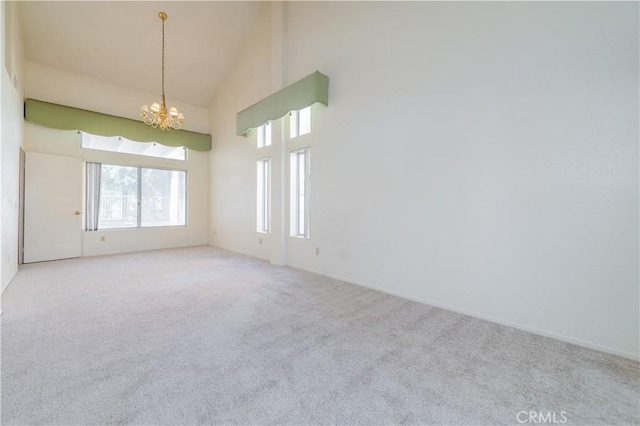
x=157, y=115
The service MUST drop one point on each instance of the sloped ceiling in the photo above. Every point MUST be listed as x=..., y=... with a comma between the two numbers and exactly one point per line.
x=121, y=42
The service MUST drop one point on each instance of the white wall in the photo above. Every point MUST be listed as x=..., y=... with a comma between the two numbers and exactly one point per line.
x=477, y=156
x=50, y=84
x=233, y=158
x=11, y=134
x=67, y=143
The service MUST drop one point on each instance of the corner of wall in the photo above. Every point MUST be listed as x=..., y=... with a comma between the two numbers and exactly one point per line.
x=12, y=72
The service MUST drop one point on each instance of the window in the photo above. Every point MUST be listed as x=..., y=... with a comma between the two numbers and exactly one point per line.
x=162, y=195
x=118, y=206
x=300, y=122
x=299, y=192
x=134, y=197
x=264, y=194
x=264, y=135
x=126, y=146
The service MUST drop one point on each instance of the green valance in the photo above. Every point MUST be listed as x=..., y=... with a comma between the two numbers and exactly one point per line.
x=68, y=118
x=311, y=89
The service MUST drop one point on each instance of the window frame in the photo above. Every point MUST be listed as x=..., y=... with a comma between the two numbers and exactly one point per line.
x=139, y=224
x=120, y=141
x=294, y=122
x=263, y=195
x=299, y=189
x=264, y=135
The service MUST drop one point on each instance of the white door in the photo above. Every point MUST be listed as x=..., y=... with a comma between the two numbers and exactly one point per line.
x=52, y=207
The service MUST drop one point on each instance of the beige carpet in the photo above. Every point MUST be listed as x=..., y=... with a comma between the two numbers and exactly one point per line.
x=205, y=336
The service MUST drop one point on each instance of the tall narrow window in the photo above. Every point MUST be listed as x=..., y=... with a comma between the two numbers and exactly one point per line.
x=264, y=135
x=263, y=195
x=300, y=122
x=299, y=192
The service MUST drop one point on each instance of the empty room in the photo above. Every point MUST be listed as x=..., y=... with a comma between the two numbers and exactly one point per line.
x=317, y=212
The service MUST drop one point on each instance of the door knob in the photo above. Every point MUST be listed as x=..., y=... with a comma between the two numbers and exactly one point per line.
x=77, y=212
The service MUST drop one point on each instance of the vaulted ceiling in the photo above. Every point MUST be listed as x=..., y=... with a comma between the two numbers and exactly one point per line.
x=120, y=41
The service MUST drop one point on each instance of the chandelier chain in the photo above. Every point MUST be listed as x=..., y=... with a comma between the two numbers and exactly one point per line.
x=163, y=100
x=159, y=115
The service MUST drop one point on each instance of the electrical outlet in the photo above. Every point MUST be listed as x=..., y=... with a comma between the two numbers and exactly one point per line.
x=317, y=250
x=260, y=241
x=103, y=238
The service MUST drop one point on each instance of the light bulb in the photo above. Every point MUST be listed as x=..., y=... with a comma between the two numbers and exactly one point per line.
x=155, y=107
x=173, y=111
x=145, y=109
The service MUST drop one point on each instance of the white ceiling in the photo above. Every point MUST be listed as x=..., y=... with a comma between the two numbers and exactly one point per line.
x=121, y=42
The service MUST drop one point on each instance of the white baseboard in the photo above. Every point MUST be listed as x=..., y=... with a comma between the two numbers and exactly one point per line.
x=628, y=355
x=560, y=337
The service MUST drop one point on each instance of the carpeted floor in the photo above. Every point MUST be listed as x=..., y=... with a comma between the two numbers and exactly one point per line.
x=204, y=336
